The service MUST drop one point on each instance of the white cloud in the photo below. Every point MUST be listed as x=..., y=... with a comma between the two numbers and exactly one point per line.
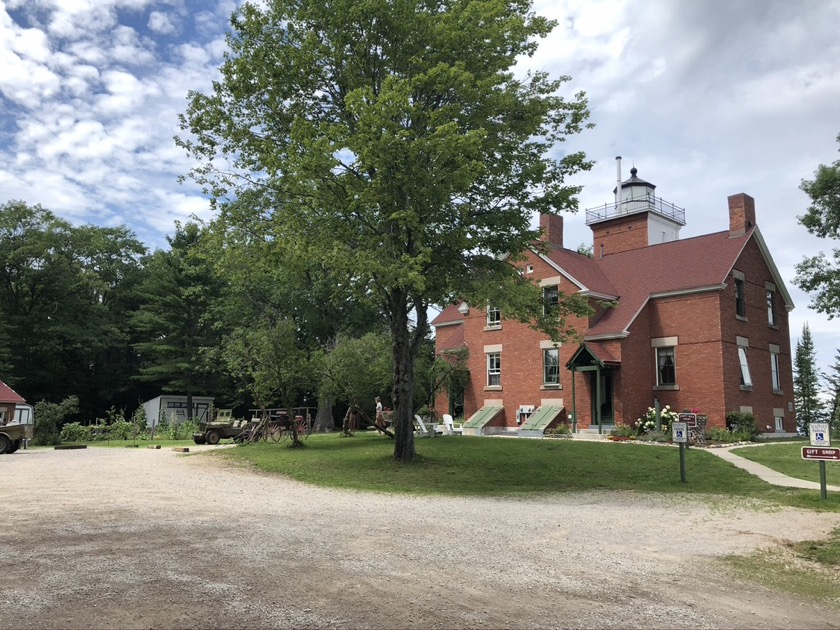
x=708, y=99
x=161, y=23
x=127, y=48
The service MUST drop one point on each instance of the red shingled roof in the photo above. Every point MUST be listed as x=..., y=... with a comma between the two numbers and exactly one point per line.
x=449, y=315
x=597, y=350
x=8, y=395
x=583, y=270
x=633, y=276
x=693, y=263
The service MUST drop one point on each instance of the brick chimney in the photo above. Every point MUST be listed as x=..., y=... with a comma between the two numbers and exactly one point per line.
x=741, y=214
x=551, y=226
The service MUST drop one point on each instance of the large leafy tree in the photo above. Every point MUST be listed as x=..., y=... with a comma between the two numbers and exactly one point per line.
x=65, y=295
x=356, y=370
x=270, y=361
x=821, y=274
x=806, y=381
x=263, y=283
x=392, y=142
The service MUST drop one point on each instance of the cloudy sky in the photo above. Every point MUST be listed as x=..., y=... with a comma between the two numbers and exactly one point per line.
x=705, y=98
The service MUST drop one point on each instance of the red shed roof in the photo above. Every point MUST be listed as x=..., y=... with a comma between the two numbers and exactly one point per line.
x=8, y=395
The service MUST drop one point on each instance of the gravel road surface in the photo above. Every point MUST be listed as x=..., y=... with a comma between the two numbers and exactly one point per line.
x=140, y=538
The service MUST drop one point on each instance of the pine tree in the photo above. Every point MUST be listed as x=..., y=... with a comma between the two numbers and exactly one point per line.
x=177, y=291
x=809, y=407
x=833, y=380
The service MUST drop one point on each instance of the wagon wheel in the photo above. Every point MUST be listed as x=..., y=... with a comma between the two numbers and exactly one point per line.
x=285, y=433
x=304, y=428
x=275, y=431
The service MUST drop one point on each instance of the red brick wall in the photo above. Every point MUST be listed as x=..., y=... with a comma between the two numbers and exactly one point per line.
x=522, y=368
x=706, y=356
x=756, y=328
x=695, y=320
x=620, y=235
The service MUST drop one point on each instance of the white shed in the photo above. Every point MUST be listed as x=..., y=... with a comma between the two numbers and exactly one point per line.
x=173, y=408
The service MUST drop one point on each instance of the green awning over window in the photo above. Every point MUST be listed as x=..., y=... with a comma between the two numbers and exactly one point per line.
x=541, y=418
x=482, y=417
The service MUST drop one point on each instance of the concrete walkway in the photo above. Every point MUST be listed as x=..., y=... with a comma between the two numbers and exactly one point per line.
x=768, y=474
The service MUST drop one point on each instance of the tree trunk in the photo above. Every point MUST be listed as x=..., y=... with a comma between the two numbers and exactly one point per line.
x=324, y=416
x=345, y=424
x=404, y=450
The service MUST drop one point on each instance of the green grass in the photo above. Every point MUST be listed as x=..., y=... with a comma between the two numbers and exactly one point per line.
x=788, y=574
x=787, y=459
x=825, y=552
x=470, y=466
x=809, y=569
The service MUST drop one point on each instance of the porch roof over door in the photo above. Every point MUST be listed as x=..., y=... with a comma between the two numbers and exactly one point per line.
x=592, y=354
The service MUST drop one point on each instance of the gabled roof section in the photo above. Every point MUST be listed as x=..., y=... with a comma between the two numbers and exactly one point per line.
x=777, y=277
x=8, y=395
x=448, y=317
x=633, y=277
x=591, y=352
x=690, y=265
x=580, y=269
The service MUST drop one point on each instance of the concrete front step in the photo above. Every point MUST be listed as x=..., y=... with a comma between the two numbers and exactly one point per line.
x=592, y=434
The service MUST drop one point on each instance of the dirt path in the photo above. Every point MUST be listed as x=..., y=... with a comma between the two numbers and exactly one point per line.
x=137, y=538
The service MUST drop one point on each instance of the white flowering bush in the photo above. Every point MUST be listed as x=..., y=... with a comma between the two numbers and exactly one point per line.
x=647, y=423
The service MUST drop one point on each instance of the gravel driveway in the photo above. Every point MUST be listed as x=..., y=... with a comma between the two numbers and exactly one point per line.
x=139, y=538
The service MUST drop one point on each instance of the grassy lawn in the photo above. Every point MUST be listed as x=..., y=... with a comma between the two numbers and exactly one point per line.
x=469, y=466
x=787, y=459
x=810, y=569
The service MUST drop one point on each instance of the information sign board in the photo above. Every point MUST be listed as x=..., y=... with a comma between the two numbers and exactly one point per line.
x=679, y=432
x=821, y=453
x=690, y=419
x=819, y=434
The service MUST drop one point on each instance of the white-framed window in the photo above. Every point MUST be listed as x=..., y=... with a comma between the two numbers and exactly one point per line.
x=666, y=366
x=740, y=294
x=665, y=361
x=494, y=317
x=551, y=366
x=494, y=369
x=551, y=299
x=774, y=370
x=771, y=305
x=743, y=345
